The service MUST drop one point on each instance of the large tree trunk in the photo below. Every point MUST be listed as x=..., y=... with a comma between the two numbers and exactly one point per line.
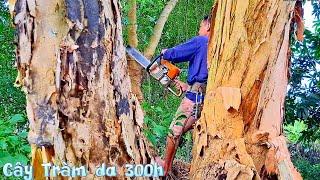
x=72, y=66
x=239, y=135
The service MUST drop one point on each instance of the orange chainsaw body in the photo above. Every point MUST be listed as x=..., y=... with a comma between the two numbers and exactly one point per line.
x=173, y=71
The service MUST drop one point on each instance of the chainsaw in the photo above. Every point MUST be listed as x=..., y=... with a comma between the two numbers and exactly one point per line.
x=160, y=69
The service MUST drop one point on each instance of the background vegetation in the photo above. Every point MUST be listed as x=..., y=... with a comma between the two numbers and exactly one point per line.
x=159, y=105
x=13, y=124
x=302, y=103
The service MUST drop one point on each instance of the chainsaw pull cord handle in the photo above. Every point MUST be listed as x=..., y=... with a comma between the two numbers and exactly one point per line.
x=178, y=94
x=175, y=93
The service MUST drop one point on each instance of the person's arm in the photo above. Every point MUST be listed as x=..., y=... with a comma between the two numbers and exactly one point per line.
x=182, y=52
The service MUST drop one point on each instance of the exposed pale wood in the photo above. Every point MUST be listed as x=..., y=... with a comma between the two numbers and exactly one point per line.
x=248, y=50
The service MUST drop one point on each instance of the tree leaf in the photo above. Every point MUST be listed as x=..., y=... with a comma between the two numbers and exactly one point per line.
x=21, y=158
x=17, y=118
x=3, y=145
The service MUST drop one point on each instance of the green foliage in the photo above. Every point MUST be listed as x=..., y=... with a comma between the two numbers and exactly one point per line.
x=182, y=23
x=308, y=170
x=159, y=130
x=13, y=144
x=158, y=118
x=12, y=100
x=303, y=99
x=13, y=125
x=294, y=131
x=148, y=12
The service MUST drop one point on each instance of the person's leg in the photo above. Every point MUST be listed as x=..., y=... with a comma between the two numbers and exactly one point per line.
x=189, y=124
x=177, y=128
x=195, y=117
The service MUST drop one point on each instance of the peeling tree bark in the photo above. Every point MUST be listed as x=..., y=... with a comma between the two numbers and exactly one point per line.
x=239, y=135
x=72, y=66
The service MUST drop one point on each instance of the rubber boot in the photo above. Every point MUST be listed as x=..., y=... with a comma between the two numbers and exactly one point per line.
x=171, y=149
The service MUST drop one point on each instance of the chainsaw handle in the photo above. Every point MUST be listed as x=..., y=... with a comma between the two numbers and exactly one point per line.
x=175, y=93
x=157, y=59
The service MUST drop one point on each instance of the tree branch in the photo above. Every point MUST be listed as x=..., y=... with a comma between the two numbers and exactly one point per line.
x=158, y=28
x=132, y=16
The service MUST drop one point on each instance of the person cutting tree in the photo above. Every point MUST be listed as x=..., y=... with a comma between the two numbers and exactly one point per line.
x=193, y=51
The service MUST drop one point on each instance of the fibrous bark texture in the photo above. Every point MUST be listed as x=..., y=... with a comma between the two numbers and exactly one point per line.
x=72, y=66
x=239, y=135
